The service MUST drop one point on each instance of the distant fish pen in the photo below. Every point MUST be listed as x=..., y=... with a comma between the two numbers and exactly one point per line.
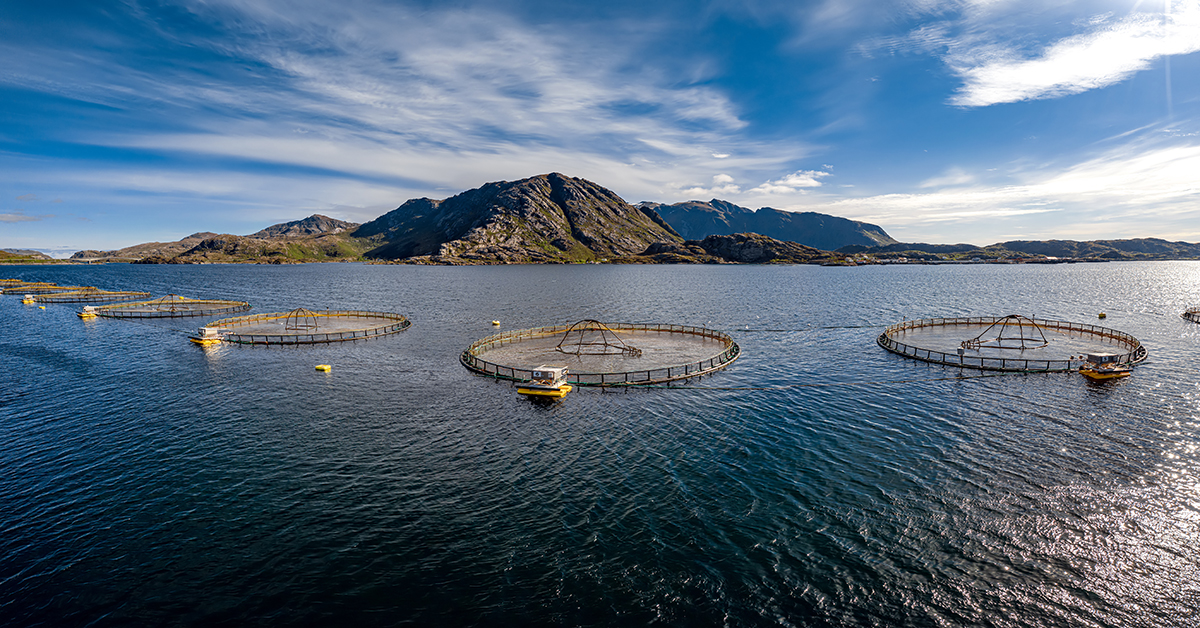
x=170, y=306
x=43, y=288
x=92, y=295
x=597, y=354
x=305, y=327
x=1007, y=343
x=1192, y=314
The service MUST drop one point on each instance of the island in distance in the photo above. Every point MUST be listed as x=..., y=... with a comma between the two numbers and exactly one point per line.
x=554, y=218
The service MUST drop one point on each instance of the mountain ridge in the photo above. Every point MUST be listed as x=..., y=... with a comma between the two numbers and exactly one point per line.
x=699, y=219
x=554, y=218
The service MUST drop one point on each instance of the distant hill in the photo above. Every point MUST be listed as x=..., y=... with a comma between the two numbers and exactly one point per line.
x=698, y=219
x=1134, y=249
x=740, y=248
x=314, y=239
x=546, y=218
x=16, y=254
x=138, y=251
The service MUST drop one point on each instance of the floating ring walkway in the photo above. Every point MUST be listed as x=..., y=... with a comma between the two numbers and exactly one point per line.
x=170, y=306
x=43, y=288
x=92, y=295
x=525, y=349
x=1132, y=351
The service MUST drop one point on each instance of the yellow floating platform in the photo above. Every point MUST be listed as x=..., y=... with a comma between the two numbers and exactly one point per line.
x=1105, y=373
x=561, y=391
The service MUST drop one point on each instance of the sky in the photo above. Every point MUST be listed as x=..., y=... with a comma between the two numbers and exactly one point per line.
x=941, y=121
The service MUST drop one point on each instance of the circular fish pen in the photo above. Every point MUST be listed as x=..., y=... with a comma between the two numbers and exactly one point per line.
x=92, y=296
x=1008, y=343
x=304, y=327
x=170, y=306
x=44, y=288
x=604, y=354
x=1192, y=314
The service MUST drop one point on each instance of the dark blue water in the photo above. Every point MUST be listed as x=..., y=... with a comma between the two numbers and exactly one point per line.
x=819, y=481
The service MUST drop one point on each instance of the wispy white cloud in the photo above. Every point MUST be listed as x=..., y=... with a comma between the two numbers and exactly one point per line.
x=1108, y=52
x=722, y=186
x=951, y=177
x=792, y=183
x=20, y=216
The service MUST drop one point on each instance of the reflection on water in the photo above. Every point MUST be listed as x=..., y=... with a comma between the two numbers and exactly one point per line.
x=818, y=481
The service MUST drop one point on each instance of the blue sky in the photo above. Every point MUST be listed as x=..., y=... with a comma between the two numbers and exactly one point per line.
x=942, y=121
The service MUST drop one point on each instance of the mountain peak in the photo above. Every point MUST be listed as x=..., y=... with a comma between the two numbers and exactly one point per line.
x=545, y=218
x=315, y=224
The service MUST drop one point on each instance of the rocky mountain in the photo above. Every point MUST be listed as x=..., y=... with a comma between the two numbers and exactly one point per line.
x=697, y=220
x=547, y=218
x=314, y=225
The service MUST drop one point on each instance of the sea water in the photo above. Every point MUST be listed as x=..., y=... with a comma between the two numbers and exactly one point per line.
x=818, y=481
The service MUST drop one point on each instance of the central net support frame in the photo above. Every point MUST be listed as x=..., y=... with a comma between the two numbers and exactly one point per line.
x=1009, y=333
x=589, y=337
x=300, y=319
x=1134, y=353
x=730, y=351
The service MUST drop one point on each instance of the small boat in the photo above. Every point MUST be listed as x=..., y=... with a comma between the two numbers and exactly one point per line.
x=1101, y=366
x=88, y=313
x=547, y=381
x=207, y=337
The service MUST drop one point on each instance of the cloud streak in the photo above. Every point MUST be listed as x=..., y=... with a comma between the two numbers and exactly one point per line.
x=1109, y=52
x=20, y=216
x=1137, y=191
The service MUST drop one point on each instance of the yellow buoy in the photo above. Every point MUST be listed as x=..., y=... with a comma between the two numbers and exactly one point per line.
x=496, y=323
x=324, y=367
x=41, y=307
